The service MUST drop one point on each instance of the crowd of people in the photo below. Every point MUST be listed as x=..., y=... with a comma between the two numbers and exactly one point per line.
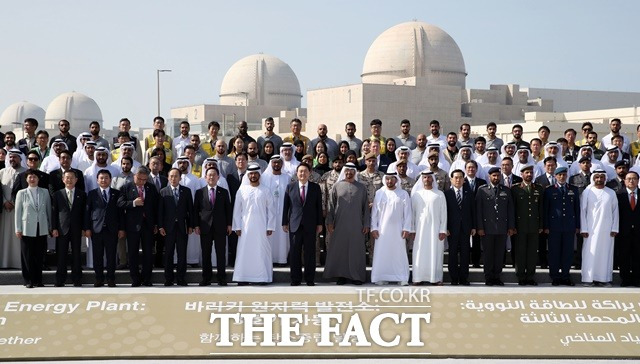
x=395, y=203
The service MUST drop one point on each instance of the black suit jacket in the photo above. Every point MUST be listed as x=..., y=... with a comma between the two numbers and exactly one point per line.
x=628, y=219
x=164, y=181
x=460, y=220
x=103, y=216
x=617, y=186
x=479, y=182
x=134, y=215
x=542, y=180
x=55, y=180
x=295, y=214
x=171, y=214
x=384, y=163
x=494, y=215
x=213, y=219
x=514, y=180
x=233, y=180
x=64, y=218
x=21, y=182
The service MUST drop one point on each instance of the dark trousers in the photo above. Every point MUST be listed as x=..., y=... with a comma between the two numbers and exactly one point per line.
x=630, y=257
x=459, y=269
x=104, y=243
x=526, y=247
x=32, y=248
x=233, y=247
x=206, y=243
x=493, y=246
x=542, y=250
x=560, y=253
x=303, y=240
x=476, y=250
x=74, y=239
x=135, y=239
x=160, y=244
x=578, y=253
x=175, y=241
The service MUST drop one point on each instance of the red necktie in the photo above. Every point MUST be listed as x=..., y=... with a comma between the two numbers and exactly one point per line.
x=632, y=202
x=302, y=194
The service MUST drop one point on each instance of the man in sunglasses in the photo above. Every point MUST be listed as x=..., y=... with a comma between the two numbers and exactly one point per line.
x=33, y=162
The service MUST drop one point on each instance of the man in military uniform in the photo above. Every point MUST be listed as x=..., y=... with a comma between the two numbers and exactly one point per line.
x=313, y=176
x=581, y=181
x=326, y=183
x=617, y=184
x=527, y=203
x=440, y=176
x=372, y=180
x=561, y=222
x=406, y=182
x=495, y=221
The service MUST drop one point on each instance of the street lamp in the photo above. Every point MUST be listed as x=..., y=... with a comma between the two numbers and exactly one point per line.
x=246, y=102
x=158, y=84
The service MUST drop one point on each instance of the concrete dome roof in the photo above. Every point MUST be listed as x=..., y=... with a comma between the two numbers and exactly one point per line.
x=78, y=109
x=18, y=112
x=414, y=49
x=267, y=80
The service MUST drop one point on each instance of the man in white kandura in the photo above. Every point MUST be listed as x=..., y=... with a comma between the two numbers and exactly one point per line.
x=276, y=183
x=253, y=221
x=390, y=226
x=429, y=230
x=599, y=223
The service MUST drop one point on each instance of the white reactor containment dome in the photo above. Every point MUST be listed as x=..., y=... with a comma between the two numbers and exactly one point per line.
x=78, y=109
x=414, y=49
x=16, y=113
x=261, y=79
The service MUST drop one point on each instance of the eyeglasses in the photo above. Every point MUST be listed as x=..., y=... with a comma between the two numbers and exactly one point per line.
x=33, y=159
x=586, y=129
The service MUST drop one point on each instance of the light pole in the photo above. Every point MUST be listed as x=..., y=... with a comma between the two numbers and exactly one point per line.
x=246, y=102
x=158, y=84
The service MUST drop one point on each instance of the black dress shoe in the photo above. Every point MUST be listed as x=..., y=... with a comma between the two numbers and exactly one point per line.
x=476, y=265
x=59, y=285
x=182, y=283
x=531, y=282
x=568, y=282
x=522, y=283
x=465, y=283
x=357, y=283
x=310, y=284
x=341, y=281
x=489, y=283
x=168, y=284
x=29, y=285
x=243, y=284
x=111, y=283
x=555, y=282
x=77, y=284
x=204, y=283
x=98, y=284
x=135, y=284
x=454, y=283
x=222, y=283
x=147, y=284
x=295, y=283
x=498, y=282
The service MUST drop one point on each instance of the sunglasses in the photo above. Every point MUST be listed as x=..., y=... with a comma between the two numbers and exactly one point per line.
x=33, y=159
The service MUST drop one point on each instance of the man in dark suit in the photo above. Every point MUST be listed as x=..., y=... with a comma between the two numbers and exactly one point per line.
x=160, y=182
x=461, y=219
x=104, y=224
x=495, y=221
x=617, y=184
x=234, y=180
x=528, y=202
x=68, y=207
x=472, y=183
x=33, y=161
x=213, y=213
x=581, y=181
x=545, y=180
x=629, y=235
x=175, y=221
x=55, y=177
x=302, y=219
x=561, y=223
x=139, y=201
x=508, y=178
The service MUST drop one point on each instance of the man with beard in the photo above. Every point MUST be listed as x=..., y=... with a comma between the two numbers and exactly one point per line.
x=492, y=140
x=9, y=243
x=617, y=184
x=289, y=161
x=68, y=139
x=465, y=139
x=599, y=219
x=372, y=181
x=348, y=220
x=406, y=183
x=332, y=146
x=421, y=146
x=495, y=221
x=127, y=150
x=452, y=150
x=326, y=184
x=592, y=141
x=509, y=150
x=94, y=129
x=480, y=147
x=52, y=161
x=183, y=139
x=405, y=138
x=242, y=134
x=528, y=203
x=83, y=159
x=9, y=141
x=402, y=155
x=463, y=157
x=269, y=135
x=614, y=126
x=355, y=144
x=226, y=164
x=235, y=180
x=552, y=149
x=490, y=159
x=276, y=183
x=440, y=176
x=253, y=153
x=200, y=154
x=253, y=222
x=55, y=177
x=516, y=132
x=90, y=174
x=435, y=136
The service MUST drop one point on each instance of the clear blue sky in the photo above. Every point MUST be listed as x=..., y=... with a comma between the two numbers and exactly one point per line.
x=110, y=50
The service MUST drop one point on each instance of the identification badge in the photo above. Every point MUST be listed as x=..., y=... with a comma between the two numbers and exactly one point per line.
x=570, y=193
x=503, y=194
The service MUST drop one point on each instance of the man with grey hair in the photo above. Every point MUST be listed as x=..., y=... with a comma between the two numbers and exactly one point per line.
x=139, y=202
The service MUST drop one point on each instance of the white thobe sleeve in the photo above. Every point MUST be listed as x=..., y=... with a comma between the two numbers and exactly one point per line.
x=615, y=222
x=375, y=211
x=407, y=214
x=442, y=210
x=272, y=210
x=416, y=206
x=237, y=211
x=584, y=202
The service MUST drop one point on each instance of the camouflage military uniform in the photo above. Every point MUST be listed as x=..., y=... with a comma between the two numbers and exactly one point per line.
x=442, y=179
x=313, y=177
x=407, y=183
x=326, y=182
x=373, y=182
